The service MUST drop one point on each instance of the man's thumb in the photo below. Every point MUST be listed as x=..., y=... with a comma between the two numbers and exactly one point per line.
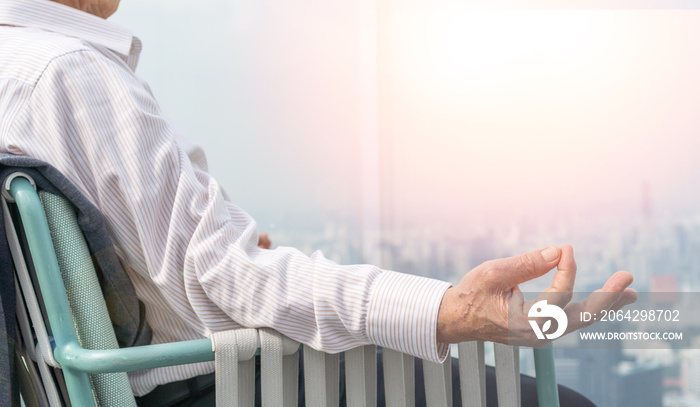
x=512, y=271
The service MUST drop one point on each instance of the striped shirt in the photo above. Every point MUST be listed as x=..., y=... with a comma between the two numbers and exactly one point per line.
x=69, y=96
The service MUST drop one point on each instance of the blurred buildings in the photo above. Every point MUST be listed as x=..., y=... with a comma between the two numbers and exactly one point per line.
x=661, y=251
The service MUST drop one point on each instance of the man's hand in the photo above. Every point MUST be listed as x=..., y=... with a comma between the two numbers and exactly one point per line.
x=264, y=241
x=478, y=307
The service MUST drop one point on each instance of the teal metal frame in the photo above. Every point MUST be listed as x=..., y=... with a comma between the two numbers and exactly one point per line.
x=547, y=388
x=77, y=362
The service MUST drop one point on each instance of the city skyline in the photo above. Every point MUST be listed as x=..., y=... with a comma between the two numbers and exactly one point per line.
x=501, y=131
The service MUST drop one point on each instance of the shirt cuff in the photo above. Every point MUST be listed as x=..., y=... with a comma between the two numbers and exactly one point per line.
x=402, y=314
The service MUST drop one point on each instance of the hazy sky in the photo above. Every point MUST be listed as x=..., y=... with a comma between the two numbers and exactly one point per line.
x=491, y=112
x=547, y=110
x=267, y=87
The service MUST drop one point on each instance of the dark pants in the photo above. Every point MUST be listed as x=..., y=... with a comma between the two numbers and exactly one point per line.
x=199, y=391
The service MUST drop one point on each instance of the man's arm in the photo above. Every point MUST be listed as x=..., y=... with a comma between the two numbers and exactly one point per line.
x=193, y=254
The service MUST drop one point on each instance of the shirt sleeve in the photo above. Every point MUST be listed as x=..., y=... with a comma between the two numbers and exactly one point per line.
x=93, y=119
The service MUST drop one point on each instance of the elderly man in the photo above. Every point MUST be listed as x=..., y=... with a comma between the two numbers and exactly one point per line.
x=70, y=97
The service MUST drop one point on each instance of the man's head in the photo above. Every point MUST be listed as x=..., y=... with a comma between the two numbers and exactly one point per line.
x=100, y=8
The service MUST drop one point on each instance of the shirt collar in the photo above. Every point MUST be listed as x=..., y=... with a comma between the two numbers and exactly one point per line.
x=51, y=16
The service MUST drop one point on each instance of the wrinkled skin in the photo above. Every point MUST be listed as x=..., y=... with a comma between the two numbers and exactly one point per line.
x=487, y=304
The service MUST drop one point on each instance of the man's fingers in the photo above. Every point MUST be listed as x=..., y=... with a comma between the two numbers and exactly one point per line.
x=629, y=296
x=564, y=278
x=614, y=293
x=611, y=292
x=609, y=295
x=562, y=288
x=512, y=271
x=618, y=282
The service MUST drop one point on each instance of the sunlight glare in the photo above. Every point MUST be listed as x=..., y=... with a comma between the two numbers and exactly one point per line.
x=511, y=102
x=478, y=41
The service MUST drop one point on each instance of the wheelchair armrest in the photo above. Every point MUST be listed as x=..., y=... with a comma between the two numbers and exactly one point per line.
x=73, y=356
